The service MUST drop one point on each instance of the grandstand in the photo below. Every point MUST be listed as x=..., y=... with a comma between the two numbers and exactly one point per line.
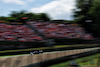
x=40, y=32
x=56, y=30
x=19, y=33
x=23, y=33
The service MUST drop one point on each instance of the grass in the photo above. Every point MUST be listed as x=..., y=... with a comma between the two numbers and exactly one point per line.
x=88, y=61
x=61, y=46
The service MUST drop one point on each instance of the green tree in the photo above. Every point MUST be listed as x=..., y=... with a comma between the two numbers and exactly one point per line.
x=94, y=12
x=44, y=17
x=81, y=13
x=88, y=10
x=17, y=15
x=2, y=18
x=30, y=15
x=39, y=16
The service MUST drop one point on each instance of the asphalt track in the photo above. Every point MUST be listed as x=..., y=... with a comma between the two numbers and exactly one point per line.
x=51, y=52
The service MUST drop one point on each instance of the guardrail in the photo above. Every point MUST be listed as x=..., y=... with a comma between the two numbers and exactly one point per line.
x=31, y=59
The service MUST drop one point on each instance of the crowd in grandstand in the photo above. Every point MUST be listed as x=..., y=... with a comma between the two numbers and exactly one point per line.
x=56, y=30
x=22, y=33
x=19, y=33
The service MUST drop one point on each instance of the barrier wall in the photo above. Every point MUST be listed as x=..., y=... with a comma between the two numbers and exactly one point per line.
x=31, y=59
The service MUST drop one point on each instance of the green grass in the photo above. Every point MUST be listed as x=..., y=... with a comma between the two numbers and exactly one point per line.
x=83, y=62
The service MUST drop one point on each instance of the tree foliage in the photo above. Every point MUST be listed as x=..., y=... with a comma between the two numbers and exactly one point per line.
x=15, y=16
x=94, y=12
x=88, y=10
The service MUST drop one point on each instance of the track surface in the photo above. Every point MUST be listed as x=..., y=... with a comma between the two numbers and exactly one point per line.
x=52, y=52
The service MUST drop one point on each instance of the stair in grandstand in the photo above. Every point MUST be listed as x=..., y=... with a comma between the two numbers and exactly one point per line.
x=49, y=42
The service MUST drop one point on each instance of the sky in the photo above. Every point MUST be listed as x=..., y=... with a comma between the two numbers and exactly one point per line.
x=56, y=9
